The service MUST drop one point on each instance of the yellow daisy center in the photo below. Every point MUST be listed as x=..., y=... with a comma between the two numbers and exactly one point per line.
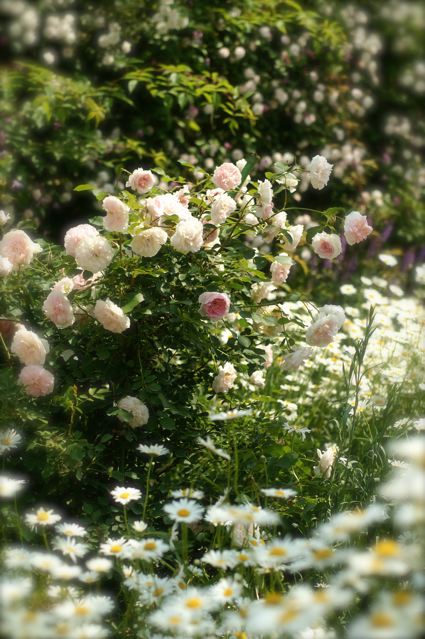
x=273, y=598
x=381, y=620
x=150, y=545
x=277, y=552
x=183, y=512
x=402, y=598
x=387, y=548
x=116, y=548
x=323, y=553
x=43, y=515
x=193, y=603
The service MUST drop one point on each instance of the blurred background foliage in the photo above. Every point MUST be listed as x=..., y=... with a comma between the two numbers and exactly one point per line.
x=89, y=87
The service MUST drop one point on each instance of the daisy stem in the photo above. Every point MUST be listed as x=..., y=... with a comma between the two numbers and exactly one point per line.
x=184, y=543
x=236, y=475
x=46, y=543
x=145, y=504
x=126, y=519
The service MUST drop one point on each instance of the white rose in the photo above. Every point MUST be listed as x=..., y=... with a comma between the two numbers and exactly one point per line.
x=280, y=269
x=325, y=325
x=111, y=316
x=116, y=218
x=94, y=254
x=147, y=243
x=138, y=410
x=188, y=237
x=222, y=206
x=320, y=170
x=6, y=266
x=225, y=378
x=28, y=347
x=265, y=191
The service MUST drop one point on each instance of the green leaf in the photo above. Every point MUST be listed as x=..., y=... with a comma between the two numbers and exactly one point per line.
x=135, y=301
x=84, y=187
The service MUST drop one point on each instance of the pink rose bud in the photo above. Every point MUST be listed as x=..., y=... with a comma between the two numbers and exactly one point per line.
x=356, y=228
x=227, y=176
x=214, y=305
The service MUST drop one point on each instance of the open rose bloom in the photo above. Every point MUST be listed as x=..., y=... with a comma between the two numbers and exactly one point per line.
x=214, y=305
x=18, y=249
x=36, y=380
x=327, y=245
x=227, y=176
x=356, y=228
x=141, y=181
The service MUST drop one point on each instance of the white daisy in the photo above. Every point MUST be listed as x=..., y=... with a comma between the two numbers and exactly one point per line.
x=42, y=517
x=280, y=493
x=154, y=450
x=184, y=510
x=123, y=495
x=71, y=530
x=9, y=439
x=9, y=486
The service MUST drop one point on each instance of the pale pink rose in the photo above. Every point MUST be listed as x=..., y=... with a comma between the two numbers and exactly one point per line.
x=356, y=228
x=148, y=243
x=325, y=325
x=211, y=194
x=139, y=412
x=94, y=254
x=188, y=236
x=183, y=195
x=214, y=305
x=111, y=316
x=75, y=235
x=223, y=205
x=18, y=248
x=227, y=176
x=28, y=347
x=141, y=181
x=36, y=381
x=116, y=218
x=225, y=378
x=326, y=245
x=280, y=269
x=64, y=285
x=171, y=205
x=6, y=266
x=58, y=309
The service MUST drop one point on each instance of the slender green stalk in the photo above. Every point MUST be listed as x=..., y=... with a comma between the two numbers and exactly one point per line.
x=185, y=544
x=145, y=503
